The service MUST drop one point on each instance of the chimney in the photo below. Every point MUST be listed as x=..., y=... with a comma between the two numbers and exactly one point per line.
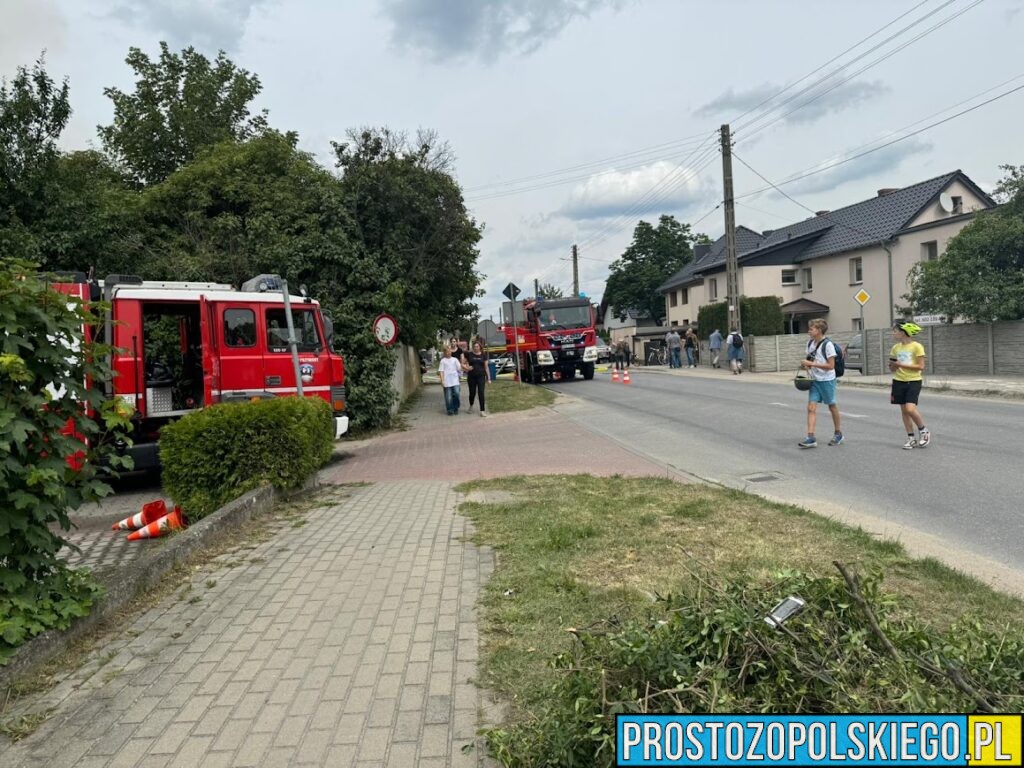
x=822, y=213
x=700, y=251
x=767, y=232
x=887, y=191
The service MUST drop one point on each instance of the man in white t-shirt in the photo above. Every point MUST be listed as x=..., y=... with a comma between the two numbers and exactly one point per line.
x=821, y=364
x=450, y=370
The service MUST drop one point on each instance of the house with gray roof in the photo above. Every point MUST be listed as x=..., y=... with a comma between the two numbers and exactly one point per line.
x=817, y=265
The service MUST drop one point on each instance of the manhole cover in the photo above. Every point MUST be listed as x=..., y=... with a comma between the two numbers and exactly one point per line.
x=762, y=477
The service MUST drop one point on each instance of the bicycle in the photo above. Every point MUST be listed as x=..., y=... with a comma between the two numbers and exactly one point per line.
x=657, y=356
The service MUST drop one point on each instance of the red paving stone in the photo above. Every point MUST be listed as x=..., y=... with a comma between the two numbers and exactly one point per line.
x=468, y=447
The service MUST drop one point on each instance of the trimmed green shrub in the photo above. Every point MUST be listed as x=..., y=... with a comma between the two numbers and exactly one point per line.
x=760, y=316
x=214, y=455
x=712, y=316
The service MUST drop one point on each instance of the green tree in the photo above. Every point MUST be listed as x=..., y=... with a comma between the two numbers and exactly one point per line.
x=181, y=104
x=46, y=409
x=416, y=257
x=654, y=255
x=33, y=113
x=549, y=291
x=980, y=277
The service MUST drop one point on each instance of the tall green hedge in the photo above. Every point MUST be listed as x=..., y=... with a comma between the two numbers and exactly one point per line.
x=760, y=316
x=212, y=456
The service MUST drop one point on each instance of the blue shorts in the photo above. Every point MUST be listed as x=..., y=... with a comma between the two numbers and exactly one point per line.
x=823, y=392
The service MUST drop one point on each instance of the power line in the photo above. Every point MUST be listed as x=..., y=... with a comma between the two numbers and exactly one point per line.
x=652, y=193
x=883, y=146
x=863, y=69
x=797, y=202
x=570, y=179
x=646, y=207
x=830, y=61
x=657, y=148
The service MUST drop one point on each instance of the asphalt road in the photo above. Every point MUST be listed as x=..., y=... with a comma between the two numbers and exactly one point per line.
x=967, y=487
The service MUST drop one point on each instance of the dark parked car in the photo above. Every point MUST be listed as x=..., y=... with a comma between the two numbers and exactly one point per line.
x=855, y=353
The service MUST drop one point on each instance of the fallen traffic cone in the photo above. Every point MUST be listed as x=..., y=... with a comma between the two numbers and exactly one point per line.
x=625, y=377
x=615, y=374
x=150, y=513
x=166, y=524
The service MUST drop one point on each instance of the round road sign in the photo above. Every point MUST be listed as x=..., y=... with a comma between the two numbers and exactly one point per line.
x=385, y=330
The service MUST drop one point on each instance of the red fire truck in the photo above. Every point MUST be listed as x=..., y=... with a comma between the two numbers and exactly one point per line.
x=184, y=346
x=556, y=338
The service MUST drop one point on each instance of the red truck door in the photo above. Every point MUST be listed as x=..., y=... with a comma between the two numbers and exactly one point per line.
x=241, y=357
x=314, y=363
x=211, y=360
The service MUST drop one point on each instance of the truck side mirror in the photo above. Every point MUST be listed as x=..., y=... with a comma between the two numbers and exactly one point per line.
x=328, y=327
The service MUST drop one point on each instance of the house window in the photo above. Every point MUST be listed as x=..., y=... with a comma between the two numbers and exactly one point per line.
x=789, y=277
x=856, y=271
x=684, y=296
x=672, y=299
x=675, y=322
x=713, y=288
x=929, y=251
x=855, y=324
x=958, y=205
x=808, y=283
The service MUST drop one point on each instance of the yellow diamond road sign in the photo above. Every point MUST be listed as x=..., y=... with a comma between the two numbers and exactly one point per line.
x=862, y=297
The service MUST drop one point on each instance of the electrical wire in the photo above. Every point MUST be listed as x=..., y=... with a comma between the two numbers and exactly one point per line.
x=830, y=61
x=656, y=149
x=880, y=59
x=859, y=155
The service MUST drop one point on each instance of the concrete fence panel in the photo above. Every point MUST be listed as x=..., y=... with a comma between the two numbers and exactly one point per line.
x=1008, y=348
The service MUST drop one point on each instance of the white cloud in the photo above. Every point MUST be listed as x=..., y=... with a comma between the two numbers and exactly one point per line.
x=883, y=161
x=209, y=25
x=483, y=28
x=806, y=108
x=613, y=192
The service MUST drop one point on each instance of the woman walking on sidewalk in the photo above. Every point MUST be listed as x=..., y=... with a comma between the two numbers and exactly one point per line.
x=906, y=361
x=477, y=376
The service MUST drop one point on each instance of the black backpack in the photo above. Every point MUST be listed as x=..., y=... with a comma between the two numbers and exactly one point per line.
x=737, y=341
x=840, y=368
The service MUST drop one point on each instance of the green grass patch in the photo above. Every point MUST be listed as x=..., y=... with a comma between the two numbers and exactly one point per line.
x=574, y=612
x=504, y=396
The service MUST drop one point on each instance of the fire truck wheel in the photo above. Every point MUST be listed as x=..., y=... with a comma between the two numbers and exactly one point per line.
x=588, y=371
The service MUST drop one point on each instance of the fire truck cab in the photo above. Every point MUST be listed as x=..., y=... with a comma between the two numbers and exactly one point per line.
x=182, y=346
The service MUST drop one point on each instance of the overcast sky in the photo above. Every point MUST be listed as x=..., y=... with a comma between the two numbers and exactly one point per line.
x=525, y=88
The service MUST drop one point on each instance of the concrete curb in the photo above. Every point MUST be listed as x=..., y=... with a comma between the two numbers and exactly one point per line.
x=122, y=585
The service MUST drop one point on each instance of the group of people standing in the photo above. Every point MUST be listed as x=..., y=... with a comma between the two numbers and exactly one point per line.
x=676, y=344
x=460, y=360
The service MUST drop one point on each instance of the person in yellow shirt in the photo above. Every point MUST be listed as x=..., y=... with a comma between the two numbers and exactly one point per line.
x=906, y=361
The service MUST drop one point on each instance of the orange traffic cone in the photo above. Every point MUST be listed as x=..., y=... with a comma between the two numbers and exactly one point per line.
x=615, y=374
x=150, y=513
x=625, y=377
x=167, y=523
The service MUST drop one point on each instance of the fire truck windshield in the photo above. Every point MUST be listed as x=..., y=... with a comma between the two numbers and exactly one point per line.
x=563, y=318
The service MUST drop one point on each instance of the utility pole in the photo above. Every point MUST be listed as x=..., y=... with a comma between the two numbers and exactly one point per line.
x=731, y=273
x=575, y=271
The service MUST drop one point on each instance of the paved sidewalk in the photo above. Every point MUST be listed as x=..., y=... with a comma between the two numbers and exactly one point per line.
x=350, y=640
x=468, y=447
x=346, y=639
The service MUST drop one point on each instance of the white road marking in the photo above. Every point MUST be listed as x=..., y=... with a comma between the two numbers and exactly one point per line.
x=781, y=405
x=854, y=415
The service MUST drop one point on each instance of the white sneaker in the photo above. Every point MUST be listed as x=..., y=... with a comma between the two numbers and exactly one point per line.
x=483, y=413
x=910, y=444
x=924, y=439
x=470, y=409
